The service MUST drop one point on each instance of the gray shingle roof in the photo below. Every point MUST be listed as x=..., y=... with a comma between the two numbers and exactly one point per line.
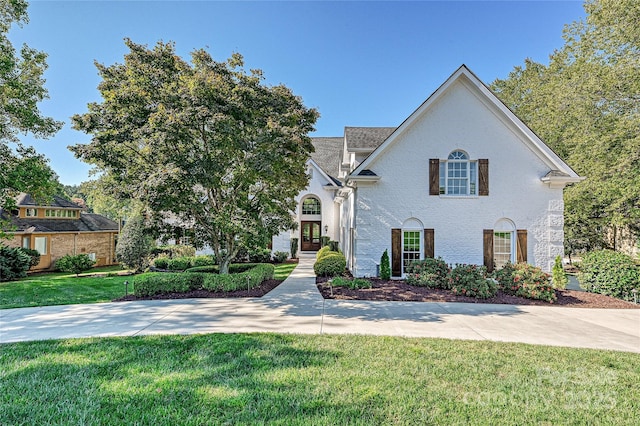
x=26, y=200
x=366, y=137
x=87, y=222
x=328, y=154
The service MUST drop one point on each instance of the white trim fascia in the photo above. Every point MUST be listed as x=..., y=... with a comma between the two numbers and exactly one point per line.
x=323, y=173
x=357, y=178
x=561, y=181
x=532, y=140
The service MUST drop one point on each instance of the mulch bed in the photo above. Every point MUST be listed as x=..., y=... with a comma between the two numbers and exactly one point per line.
x=260, y=291
x=400, y=291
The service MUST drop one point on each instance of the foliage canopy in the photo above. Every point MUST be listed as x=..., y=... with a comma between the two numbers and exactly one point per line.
x=203, y=145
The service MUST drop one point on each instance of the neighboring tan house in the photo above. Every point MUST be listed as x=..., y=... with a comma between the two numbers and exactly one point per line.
x=461, y=178
x=61, y=228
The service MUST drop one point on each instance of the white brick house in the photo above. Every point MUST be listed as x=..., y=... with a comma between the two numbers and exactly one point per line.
x=461, y=178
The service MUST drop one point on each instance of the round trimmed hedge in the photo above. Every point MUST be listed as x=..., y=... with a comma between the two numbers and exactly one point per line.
x=330, y=264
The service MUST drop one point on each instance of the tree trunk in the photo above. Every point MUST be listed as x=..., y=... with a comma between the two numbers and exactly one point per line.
x=224, y=265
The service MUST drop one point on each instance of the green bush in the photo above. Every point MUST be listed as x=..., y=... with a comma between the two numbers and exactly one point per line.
x=526, y=281
x=238, y=281
x=610, y=273
x=153, y=283
x=354, y=284
x=325, y=251
x=161, y=262
x=208, y=269
x=33, y=254
x=330, y=265
x=560, y=279
x=75, y=264
x=134, y=245
x=179, y=263
x=14, y=263
x=334, y=246
x=340, y=281
x=324, y=241
x=280, y=256
x=385, y=268
x=471, y=281
x=203, y=260
x=429, y=272
x=260, y=256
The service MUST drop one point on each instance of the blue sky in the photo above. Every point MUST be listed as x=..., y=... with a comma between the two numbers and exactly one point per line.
x=359, y=63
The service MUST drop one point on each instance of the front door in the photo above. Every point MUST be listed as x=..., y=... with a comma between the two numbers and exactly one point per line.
x=310, y=236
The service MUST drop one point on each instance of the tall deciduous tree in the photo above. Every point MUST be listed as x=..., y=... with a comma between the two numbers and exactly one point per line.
x=586, y=105
x=21, y=88
x=203, y=142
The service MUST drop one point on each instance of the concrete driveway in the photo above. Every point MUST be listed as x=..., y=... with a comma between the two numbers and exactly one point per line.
x=296, y=306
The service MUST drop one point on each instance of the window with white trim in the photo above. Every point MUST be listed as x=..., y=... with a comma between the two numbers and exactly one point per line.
x=411, y=247
x=458, y=174
x=31, y=212
x=40, y=245
x=503, y=243
x=311, y=206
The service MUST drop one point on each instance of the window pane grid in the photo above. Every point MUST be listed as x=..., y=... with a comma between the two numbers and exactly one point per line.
x=311, y=206
x=410, y=247
x=501, y=248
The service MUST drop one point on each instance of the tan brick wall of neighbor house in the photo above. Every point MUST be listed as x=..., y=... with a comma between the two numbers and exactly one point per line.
x=16, y=241
x=100, y=243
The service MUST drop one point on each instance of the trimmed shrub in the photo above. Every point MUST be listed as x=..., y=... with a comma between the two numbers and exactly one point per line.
x=471, y=281
x=248, y=279
x=14, y=263
x=179, y=263
x=161, y=262
x=209, y=269
x=340, y=281
x=610, y=273
x=134, y=246
x=429, y=272
x=74, y=264
x=260, y=256
x=153, y=283
x=526, y=281
x=324, y=250
x=324, y=241
x=280, y=256
x=358, y=283
x=293, y=245
x=330, y=265
x=334, y=246
x=559, y=279
x=33, y=254
x=385, y=268
x=203, y=260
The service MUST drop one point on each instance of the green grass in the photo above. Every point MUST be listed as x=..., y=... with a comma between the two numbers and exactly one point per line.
x=320, y=380
x=283, y=270
x=63, y=288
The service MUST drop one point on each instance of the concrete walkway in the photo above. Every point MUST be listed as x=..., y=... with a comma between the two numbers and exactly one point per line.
x=296, y=306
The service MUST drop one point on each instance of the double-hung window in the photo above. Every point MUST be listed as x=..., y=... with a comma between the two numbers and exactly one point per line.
x=458, y=175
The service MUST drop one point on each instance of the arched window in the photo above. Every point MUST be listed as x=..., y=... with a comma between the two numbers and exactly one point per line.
x=311, y=206
x=458, y=175
x=504, y=247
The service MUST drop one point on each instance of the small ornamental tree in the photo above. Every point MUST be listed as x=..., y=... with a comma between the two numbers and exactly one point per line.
x=559, y=279
x=75, y=264
x=385, y=268
x=133, y=245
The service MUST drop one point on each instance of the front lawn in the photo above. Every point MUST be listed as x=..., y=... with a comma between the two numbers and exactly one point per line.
x=62, y=288
x=319, y=380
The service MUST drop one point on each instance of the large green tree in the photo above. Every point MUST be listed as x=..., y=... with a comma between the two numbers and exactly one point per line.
x=201, y=142
x=586, y=105
x=21, y=89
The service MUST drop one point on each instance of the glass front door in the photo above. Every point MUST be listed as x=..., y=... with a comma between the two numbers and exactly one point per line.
x=310, y=236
